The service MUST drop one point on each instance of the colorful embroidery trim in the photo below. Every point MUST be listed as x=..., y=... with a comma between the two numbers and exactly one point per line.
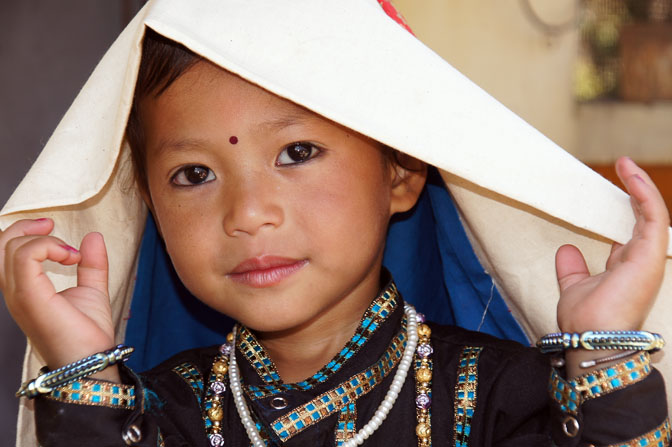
x=658, y=437
x=375, y=315
x=465, y=394
x=423, y=385
x=193, y=377
x=94, y=392
x=571, y=394
x=607, y=380
x=346, y=428
x=343, y=394
x=256, y=355
x=564, y=393
x=213, y=411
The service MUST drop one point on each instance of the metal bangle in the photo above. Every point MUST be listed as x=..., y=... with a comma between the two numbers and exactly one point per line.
x=596, y=340
x=621, y=355
x=49, y=380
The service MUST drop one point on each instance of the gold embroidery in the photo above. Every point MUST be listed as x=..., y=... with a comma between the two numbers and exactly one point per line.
x=423, y=386
x=346, y=427
x=658, y=437
x=606, y=380
x=343, y=394
x=465, y=394
x=96, y=392
x=377, y=312
x=570, y=394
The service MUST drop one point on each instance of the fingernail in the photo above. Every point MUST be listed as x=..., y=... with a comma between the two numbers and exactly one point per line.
x=69, y=248
x=41, y=219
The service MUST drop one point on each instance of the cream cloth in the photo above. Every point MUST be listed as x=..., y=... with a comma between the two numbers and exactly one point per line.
x=519, y=194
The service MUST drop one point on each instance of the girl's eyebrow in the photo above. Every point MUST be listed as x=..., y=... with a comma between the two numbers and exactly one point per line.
x=294, y=117
x=178, y=144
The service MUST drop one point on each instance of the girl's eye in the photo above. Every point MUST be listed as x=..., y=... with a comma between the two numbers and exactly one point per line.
x=193, y=175
x=297, y=153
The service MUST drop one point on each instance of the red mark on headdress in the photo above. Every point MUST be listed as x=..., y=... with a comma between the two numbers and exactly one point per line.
x=394, y=14
x=233, y=140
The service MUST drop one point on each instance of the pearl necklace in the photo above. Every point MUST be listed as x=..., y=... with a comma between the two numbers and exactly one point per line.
x=378, y=417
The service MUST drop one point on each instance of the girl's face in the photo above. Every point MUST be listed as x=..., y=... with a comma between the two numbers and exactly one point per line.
x=270, y=213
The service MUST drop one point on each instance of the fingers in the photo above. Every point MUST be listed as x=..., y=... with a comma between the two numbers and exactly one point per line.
x=25, y=227
x=23, y=263
x=614, y=255
x=93, y=268
x=653, y=218
x=570, y=266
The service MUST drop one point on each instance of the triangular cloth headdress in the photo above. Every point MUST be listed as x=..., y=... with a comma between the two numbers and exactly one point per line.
x=519, y=195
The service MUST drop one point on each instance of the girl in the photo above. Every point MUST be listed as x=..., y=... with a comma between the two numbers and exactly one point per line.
x=269, y=172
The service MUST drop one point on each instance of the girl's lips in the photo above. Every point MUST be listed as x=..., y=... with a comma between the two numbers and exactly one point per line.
x=265, y=271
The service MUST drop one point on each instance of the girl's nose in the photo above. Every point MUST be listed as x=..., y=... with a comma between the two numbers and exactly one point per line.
x=253, y=205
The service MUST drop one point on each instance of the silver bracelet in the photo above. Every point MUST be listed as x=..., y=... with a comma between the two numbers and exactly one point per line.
x=49, y=380
x=595, y=340
x=621, y=355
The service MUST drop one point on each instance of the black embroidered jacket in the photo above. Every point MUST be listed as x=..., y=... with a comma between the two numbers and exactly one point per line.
x=484, y=392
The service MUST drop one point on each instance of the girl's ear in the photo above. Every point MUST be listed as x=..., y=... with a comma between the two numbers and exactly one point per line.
x=408, y=176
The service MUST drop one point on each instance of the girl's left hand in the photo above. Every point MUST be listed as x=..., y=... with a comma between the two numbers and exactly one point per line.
x=621, y=297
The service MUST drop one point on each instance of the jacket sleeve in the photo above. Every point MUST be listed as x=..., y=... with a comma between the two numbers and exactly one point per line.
x=92, y=412
x=621, y=405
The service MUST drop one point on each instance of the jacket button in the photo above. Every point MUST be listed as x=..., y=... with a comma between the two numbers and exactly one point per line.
x=570, y=426
x=132, y=435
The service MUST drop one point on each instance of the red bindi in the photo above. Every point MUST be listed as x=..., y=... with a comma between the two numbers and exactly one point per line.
x=233, y=140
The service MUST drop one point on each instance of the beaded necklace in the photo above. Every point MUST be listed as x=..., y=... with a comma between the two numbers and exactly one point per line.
x=418, y=351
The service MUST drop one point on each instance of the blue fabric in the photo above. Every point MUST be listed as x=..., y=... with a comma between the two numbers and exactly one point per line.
x=427, y=251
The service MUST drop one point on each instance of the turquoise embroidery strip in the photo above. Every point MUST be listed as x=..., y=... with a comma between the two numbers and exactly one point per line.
x=606, y=380
x=465, y=394
x=193, y=377
x=569, y=395
x=343, y=394
x=256, y=355
x=375, y=315
x=563, y=393
x=347, y=424
x=94, y=392
x=658, y=437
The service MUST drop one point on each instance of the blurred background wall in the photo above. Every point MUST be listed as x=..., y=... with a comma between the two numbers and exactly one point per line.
x=529, y=54
x=595, y=76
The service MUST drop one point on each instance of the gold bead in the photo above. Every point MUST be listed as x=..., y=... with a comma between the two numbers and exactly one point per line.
x=423, y=430
x=216, y=414
x=424, y=331
x=220, y=368
x=229, y=338
x=423, y=375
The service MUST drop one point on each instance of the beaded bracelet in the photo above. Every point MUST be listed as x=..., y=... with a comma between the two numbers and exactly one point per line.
x=592, y=340
x=49, y=380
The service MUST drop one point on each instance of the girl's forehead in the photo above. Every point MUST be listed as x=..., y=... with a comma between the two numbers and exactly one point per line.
x=207, y=85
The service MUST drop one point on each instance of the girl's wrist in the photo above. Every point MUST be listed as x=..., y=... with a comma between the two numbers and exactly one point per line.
x=574, y=358
x=109, y=374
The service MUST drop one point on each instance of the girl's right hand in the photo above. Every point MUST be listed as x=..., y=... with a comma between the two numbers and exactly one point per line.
x=62, y=326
